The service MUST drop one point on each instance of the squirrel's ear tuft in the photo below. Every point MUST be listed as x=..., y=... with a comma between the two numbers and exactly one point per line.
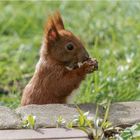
x=51, y=32
x=58, y=21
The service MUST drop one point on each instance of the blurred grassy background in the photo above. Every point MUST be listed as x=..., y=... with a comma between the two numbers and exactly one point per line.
x=110, y=30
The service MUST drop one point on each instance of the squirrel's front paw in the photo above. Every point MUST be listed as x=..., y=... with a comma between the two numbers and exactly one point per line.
x=90, y=65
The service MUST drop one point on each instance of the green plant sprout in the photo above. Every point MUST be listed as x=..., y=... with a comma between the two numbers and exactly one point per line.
x=29, y=122
x=60, y=122
x=96, y=125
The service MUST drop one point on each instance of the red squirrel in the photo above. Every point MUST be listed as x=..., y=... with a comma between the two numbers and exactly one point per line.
x=63, y=64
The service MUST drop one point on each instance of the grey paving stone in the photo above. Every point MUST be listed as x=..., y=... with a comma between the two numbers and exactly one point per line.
x=43, y=134
x=120, y=113
x=9, y=119
x=47, y=115
x=125, y=113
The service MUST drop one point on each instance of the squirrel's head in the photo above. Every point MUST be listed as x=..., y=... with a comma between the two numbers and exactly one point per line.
x=62, y=45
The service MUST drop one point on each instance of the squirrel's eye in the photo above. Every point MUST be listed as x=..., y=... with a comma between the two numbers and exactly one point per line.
x=70, y=46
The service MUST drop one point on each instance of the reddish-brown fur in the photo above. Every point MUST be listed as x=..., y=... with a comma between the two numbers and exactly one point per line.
x=52, y=82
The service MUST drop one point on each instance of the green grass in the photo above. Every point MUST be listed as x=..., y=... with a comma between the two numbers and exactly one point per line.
x=110, y=30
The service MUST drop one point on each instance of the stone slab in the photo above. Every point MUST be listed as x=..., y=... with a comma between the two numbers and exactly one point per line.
x=43, y=134
x=47, y=115
x=120, y=113
x=125, y=113
x=9, y=119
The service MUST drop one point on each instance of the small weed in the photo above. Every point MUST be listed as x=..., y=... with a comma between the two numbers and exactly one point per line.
x=60, y=122
x=29, y=122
